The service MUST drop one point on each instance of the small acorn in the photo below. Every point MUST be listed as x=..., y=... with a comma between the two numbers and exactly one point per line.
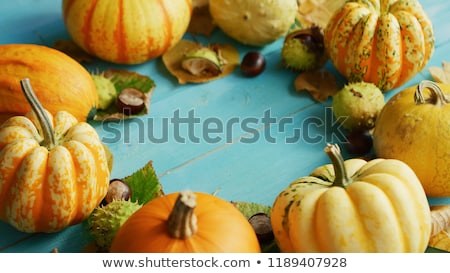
x=304, y=50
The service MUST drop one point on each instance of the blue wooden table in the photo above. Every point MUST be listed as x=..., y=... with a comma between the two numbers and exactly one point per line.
x=270, y=134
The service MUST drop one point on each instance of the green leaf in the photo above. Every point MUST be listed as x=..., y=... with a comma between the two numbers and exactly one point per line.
x=249, y=209
x=129, y=79
x=144, y=184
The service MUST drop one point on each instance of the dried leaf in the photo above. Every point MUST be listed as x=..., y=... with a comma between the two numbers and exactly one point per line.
x=74, y=51
x=440, y=218
x=317, y=12
x=201, y=21
x=172, y=60
x=441, y=75
x=321, y=84
x=441, y=240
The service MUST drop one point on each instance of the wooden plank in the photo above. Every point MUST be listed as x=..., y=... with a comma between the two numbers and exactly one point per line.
x=237, y=171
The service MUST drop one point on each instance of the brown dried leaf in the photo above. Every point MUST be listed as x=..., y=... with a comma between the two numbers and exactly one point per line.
x=74, y=51
x=441, y=240
x=321, y=84
x=441, y=74
x=201, y=21
x=172, y=60
x=317, y=12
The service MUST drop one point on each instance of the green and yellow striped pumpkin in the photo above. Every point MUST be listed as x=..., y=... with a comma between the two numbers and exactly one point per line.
x=386, y=42
x=126, y=31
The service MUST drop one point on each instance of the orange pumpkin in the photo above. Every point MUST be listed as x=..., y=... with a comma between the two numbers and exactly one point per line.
x=381, y=41
x=126, y=32
x=53, y=169
x=186, y=222
x=59, y=81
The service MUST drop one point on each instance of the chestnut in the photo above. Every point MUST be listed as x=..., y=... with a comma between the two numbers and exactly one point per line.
x=117, y=190
x=262, y=225
x=253, y=64
x=130, y=101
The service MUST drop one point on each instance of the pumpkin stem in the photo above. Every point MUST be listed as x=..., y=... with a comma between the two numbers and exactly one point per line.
x=49, y=140
x=437, y=96
x=341, y=178
x=182, y=222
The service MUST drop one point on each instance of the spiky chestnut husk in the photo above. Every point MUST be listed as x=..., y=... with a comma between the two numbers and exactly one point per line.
x=106, y=91
x=203, y=61
x=105, y=221
x=304, y=50
x=357, y=105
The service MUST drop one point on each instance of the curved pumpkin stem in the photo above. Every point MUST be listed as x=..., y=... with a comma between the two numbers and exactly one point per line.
x=341, y=178
x=437, y=96
x=182, y=222
x=49, y=140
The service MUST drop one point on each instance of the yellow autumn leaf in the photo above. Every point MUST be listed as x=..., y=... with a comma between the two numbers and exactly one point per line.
x=317, y=12
x=441, y=240
x=440, y=228
x=441, y=74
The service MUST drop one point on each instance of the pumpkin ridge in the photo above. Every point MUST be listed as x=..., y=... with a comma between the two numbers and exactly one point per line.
x=364, y=224
x=168, y=28
x=120, y=34
x=28, y=204
x=372, y=179
x=86, y=28
x=364, y=50
x=345, y=29
x=7, y=175
x=411, y=187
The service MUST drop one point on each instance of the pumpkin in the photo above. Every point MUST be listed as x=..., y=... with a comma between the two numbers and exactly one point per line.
x=414, y=126
x=380, y=41
x=59, y=81
x=255, y=23
x=126, y=32
x=186, y=222
x=53, y=169
x=353, y=206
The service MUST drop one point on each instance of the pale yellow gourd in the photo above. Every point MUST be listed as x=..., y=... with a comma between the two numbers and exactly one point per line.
x=353, y=206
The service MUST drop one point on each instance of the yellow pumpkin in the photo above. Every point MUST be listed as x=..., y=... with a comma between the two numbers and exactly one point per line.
x=251, y=22
x=186, y=222
x=384, y=42
x=53, y=169
x=59, y=81
x=414, y=126
x=126, y=32
x=353, y=206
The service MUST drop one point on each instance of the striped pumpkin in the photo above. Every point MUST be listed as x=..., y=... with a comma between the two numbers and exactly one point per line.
x=126, y=31
x=53, y=169
x=384, y=42
x=59, y=81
